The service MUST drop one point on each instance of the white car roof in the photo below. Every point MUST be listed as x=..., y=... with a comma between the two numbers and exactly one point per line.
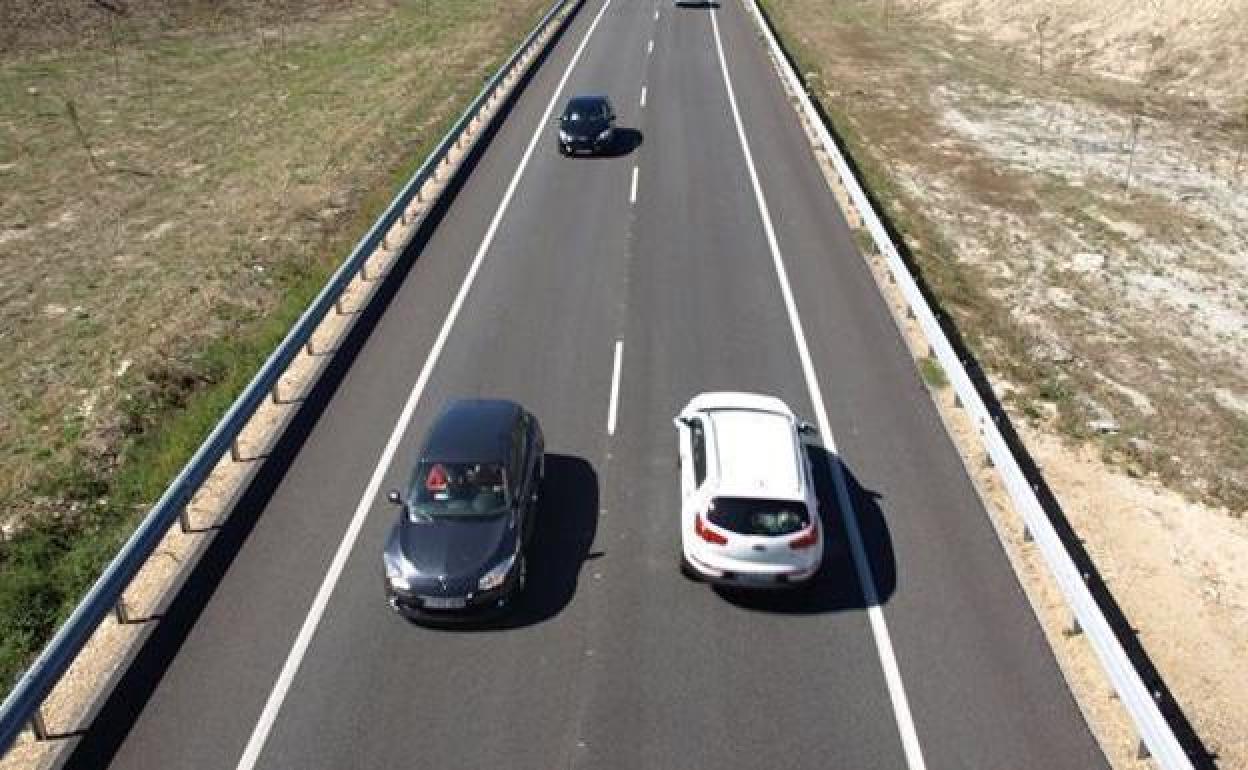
x=726, y=399
x=756, y=453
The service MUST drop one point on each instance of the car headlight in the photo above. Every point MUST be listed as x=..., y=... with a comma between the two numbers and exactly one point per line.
x=497, y=574
x=605, y=135
x=563, y=136
x=395, y=575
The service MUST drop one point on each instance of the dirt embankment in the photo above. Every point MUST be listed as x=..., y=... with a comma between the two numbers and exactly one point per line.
x=1193, y=49
x=1071, y=177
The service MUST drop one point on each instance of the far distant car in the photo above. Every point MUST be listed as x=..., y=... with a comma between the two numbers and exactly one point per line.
x=586, y=125
x=749, y=515
x=458, y=548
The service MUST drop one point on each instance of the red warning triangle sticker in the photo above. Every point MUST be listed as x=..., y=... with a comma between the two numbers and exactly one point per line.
x=436, y=480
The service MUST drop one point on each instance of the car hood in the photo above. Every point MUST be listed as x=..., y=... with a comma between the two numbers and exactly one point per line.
x=584, y=129
x=450, y=554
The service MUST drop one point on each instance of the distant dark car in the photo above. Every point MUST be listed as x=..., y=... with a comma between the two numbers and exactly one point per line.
x=586, y=125
x=458, y=548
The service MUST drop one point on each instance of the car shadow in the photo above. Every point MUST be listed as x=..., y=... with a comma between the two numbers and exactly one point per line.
x=690, y=4
x=836, y=586
x=567, y=522
x=624, y=141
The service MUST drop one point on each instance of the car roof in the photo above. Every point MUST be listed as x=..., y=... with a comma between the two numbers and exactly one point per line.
x=582, y=100
x=756, y=453
x=472, y=430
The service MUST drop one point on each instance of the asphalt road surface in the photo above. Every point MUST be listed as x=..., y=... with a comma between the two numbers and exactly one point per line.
x=539, y=266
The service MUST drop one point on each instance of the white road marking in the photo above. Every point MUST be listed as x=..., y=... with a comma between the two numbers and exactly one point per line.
x=656, y=13
x=300, y=647
x=613, y=408
x=879, y=628
x=632, y=194
x=643, y=96
x=650, y=47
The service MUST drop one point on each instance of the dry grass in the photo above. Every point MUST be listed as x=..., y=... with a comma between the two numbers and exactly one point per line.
x=174, y=184
x=199, y=173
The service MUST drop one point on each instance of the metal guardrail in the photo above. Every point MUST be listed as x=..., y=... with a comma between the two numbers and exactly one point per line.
x=1156, y=735
x=23, y=704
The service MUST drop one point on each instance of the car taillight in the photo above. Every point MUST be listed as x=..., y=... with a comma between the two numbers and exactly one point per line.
x=807, y=539
x=707, y=534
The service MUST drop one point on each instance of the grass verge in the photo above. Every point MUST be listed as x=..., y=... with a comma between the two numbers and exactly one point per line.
x=80, y=490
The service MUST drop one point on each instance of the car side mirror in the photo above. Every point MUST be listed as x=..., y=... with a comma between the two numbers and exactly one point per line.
x=394, y=497
x=806, y=429
x=680, y=422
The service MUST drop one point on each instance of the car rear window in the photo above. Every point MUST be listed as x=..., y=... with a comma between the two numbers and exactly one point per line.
x=748, y=516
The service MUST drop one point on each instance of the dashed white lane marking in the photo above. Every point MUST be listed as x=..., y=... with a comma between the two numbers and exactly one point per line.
x=286, y=678
x=643, y=96
x=632, y=194
x=650, y=48
x=613, y=407
x=656, y=14
x=879, y=628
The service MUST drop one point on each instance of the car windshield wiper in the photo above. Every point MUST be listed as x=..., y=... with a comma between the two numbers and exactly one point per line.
x=418, y=516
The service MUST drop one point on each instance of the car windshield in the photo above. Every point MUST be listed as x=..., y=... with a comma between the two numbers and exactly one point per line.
x=457, y=489
x=584, y=110
x=768, y=518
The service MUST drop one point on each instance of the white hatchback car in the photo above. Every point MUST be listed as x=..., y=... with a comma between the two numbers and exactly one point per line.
x=749, y=515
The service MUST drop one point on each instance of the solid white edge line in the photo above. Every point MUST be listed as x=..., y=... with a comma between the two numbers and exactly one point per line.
x=643, y=96
x=297, y=651
x=632, y=193
x=613, y=407
x=875, y=614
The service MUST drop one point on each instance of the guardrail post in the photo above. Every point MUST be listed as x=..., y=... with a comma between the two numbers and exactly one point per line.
x=909, y=311
x=184, y=520
x=276, y=392
x=957, y=399
x=121, y=611
x=364, y=271
x=338, y=305
x=235, y=454
x=38, y=726
x=1074, y=629
x=1141, y=751
x=1027, y=536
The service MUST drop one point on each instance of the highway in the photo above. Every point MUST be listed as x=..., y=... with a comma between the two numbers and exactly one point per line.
x=539, y=267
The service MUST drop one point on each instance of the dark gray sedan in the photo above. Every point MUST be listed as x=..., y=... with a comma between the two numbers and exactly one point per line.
x=457, y=550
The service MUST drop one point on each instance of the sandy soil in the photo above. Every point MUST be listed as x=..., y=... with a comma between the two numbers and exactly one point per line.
x=1192, y=48
x=1081, y=213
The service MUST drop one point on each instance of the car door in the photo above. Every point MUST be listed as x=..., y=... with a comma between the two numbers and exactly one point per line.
x=524, y=460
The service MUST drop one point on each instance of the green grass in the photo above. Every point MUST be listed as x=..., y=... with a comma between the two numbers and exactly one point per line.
x=933, y=373
x=83, y=510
